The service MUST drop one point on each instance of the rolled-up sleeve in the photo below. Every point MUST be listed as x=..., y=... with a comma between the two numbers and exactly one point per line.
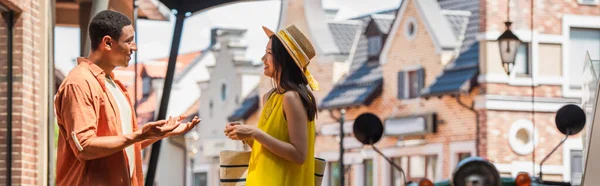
x=78, y=117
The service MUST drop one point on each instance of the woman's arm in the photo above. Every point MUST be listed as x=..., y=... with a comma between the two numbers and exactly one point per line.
x=295, y=151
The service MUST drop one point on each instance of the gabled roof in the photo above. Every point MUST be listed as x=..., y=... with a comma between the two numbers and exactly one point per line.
x=383, y=12
x=460, y=75
x=383, y=22
x=249, y=105
x=365, y=81
x=158, y=68
x=458, y=21
x=436, y=24
x=470, y=36
x=359, y=88
x=457, y=77
x=344, y=34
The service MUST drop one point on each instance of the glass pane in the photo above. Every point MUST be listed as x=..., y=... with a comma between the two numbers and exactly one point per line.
x=522, y=60
x=581, y=41
x=334, y=174
x=417, y=167
x=368, y=172
x=200, y=179
x=374, y=45
x=576, y=167
x=431, y=167
x=146, y=86
x=413, y=84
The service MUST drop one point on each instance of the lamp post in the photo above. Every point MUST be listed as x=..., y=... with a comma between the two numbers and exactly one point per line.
x=191, y=143
x=508, y=43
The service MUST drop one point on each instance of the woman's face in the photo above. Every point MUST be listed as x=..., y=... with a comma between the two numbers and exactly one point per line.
x=267, y=59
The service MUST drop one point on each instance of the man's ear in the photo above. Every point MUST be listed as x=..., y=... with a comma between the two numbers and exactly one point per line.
x=106, y=42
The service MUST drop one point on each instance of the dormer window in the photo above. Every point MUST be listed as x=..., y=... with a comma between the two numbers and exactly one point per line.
x=375, y=44
x=146, y=86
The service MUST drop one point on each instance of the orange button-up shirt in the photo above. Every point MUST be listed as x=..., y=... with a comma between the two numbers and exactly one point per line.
x=85, y=109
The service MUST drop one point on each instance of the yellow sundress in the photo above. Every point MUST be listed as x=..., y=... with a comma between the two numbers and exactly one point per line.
x=268, y=169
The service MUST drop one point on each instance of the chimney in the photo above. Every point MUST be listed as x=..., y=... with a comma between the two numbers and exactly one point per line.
x=231, y=38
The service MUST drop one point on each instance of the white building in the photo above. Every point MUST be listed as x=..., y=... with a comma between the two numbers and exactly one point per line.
x=232, y=78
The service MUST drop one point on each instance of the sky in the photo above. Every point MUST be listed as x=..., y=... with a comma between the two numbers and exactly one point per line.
x=154, y=37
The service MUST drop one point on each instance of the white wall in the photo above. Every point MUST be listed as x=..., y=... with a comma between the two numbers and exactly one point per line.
x=171, y=165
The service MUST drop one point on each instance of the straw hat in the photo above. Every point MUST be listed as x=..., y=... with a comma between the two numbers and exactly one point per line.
x=299, y=48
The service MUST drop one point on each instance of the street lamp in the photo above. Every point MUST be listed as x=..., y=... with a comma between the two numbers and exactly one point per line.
x=508, y=43
x=191, y=144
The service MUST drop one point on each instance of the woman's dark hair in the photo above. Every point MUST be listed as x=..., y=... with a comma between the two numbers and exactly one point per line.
x=291, y=78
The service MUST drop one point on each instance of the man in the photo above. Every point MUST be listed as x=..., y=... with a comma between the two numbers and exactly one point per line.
x=99, y=141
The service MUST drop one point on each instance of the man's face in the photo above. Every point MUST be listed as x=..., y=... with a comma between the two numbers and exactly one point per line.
x=120, y=50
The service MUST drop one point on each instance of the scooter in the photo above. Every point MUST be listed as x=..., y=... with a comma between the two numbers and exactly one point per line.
x=477, y=171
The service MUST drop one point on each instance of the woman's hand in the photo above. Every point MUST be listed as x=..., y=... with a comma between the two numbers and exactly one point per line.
x=235, y=131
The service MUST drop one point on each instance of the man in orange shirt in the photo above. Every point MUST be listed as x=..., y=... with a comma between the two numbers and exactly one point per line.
x=99, y=141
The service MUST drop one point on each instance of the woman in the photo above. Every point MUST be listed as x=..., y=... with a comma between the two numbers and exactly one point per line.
x=283, y=154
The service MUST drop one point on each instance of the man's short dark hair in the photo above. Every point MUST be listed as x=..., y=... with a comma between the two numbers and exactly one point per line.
x=107, y=22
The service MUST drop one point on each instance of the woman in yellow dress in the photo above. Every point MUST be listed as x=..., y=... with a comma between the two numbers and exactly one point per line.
x=283, y=142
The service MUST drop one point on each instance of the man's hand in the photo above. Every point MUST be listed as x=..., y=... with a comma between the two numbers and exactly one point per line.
x=179, y=128
x=182, y=128
x=158, y=129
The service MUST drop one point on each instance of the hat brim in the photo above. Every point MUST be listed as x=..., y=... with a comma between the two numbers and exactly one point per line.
x=268, y=31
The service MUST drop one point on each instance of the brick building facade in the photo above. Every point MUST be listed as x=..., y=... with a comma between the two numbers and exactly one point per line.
x=29, y=25
x=458, y=79
x=30, y=90
x=436, y=82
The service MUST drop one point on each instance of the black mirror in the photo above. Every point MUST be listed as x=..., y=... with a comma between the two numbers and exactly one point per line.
x=368, y=129
x=570, y=119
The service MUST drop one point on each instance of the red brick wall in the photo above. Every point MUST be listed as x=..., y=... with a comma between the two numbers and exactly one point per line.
x=499, y=124
x=547, y=14
x=3, y=96
x=26, y=93
x=550, y=91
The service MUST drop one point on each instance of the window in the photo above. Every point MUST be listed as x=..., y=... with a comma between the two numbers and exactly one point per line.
x=223, y=92
x=580, y=42
x=410, y=83
x=397, y=175
x=368, y=172
x=463, y=155
x=210, y=108
x=576, y=167
x=415, y=167
x=522, y=63
x=588, y=2
x=410, y=28
x=146, y=86
x=520, y=137
x=413, y=84
x=334, y=174
x=374, y=46
x=200, y=179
